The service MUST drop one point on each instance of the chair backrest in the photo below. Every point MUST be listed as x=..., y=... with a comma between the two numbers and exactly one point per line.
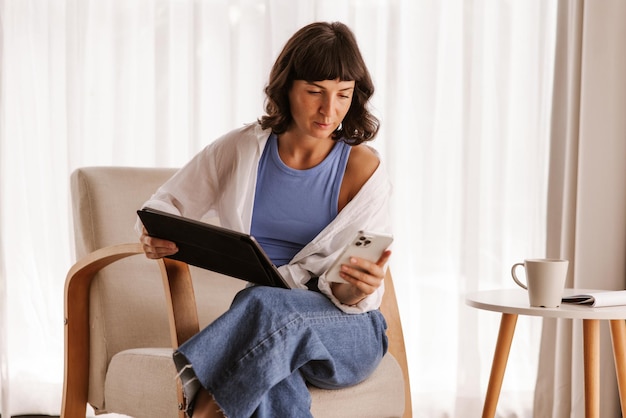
x=127, y=301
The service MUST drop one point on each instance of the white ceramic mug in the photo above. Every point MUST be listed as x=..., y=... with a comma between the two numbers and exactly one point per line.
x=545, y=281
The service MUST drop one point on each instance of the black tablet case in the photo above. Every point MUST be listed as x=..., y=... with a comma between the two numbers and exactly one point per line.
x=213, y=248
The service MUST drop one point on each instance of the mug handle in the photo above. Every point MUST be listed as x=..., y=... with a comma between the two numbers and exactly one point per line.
x=519, y=283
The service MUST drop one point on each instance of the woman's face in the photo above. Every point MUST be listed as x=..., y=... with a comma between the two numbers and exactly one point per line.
x=318, y=107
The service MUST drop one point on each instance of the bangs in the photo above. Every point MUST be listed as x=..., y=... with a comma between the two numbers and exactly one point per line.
x=327, y=61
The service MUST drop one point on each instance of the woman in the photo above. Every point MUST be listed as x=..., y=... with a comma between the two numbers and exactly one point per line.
x=303, y=183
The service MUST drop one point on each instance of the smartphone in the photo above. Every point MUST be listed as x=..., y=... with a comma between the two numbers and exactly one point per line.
x=366, y=245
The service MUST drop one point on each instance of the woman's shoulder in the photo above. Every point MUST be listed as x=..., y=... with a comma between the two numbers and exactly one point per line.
x=363, y=160
x=362, y=163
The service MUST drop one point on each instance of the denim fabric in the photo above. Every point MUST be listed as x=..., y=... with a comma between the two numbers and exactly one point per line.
x=257, y=357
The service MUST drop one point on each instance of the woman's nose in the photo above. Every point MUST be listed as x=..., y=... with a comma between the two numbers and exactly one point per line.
x=327, y=106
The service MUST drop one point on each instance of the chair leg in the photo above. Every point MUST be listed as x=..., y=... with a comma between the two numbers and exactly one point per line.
x=206, y=407
x=182, y=405
x=73, y=407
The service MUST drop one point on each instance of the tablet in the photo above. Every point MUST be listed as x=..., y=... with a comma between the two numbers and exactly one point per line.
x=213, y=248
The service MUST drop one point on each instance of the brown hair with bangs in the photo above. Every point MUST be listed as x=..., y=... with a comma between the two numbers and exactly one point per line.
x=317, y=52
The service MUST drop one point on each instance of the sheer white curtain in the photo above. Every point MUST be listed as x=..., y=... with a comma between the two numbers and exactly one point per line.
x=469, y=138
x=463, y=91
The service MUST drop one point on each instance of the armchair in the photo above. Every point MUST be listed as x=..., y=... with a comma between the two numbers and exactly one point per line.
x=121, y=325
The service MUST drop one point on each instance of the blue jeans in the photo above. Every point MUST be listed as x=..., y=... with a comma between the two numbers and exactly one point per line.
x=257, y=358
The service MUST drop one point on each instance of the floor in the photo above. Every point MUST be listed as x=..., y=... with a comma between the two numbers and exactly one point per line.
x=33, y=416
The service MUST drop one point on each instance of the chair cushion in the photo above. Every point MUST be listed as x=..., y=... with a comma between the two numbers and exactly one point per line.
x=137, y=381
x=382, y=395
x=141, y=382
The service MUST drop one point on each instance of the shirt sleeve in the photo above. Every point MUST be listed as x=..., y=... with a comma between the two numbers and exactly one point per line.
x=191, y=192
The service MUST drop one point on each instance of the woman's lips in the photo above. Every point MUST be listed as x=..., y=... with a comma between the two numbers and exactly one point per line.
x=323, y=125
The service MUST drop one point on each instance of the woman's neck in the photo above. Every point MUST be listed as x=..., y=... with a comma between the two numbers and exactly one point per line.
x=303, y=153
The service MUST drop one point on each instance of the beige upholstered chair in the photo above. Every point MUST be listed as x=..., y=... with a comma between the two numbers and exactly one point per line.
x=124, y=314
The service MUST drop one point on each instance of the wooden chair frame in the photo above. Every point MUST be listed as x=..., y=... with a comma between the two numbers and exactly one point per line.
x=183, y=320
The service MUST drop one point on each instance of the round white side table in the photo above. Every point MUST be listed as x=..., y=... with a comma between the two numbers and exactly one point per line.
x=514, y=302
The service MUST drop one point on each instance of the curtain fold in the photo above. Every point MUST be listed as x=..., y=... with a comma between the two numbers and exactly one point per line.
x=587, y=198
x=463, y=90
x=4, y=372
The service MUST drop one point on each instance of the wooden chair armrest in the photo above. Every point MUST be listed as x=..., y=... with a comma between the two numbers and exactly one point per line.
x=181, y=300
x=182, y=313
x=77, y=284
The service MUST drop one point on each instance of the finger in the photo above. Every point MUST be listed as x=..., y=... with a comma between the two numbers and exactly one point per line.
x=155, y=248
x=153, y=242
x=377, y=268
x=160, y=251
x=360, y=265
x=155, y=253
x=362, y=287
x=384, y=258
x=361, y=278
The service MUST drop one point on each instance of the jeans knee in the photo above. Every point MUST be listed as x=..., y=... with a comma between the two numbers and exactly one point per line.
x=254, y=294
x=262, y=298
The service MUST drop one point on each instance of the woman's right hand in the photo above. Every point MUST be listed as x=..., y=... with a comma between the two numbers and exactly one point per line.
x=155, y=247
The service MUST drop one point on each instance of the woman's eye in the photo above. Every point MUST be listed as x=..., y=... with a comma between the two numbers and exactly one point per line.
x=314, y=92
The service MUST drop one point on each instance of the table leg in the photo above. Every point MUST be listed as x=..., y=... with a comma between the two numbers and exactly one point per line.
x=500, y=358
x=618, y=336
x=591, y=341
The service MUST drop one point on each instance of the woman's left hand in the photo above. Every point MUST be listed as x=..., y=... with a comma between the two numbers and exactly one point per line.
x=363, y=277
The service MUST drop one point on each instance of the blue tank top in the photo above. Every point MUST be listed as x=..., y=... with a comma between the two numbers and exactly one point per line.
x=292, y=206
